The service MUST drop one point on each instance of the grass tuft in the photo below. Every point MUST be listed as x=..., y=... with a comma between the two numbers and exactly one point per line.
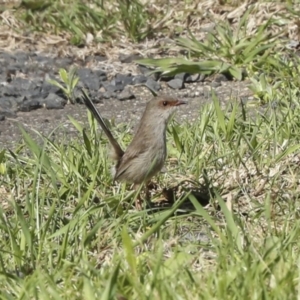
x=67, y=231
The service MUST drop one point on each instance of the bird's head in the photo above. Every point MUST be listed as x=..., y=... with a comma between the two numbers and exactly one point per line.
x=163, y=106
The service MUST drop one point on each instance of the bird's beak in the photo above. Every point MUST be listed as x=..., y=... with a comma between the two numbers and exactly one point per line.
x=180, y=102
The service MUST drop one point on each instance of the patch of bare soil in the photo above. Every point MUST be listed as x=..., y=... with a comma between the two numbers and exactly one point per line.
x=129, y=111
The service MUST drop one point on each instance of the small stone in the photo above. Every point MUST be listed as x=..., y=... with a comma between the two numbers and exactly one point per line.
x=176, y=84
x=89, y=38
x=195, y=237
x=22, y=57
x=96, y=97
x=101, y=74
x=220, y=78
x=29, y=68
x=19, y=100
x=102, y=89
x=44, y=59
x=29, y=105
x=100, y=58
x=208, y=27
x=63, y=62
x=292, y=44
x=138, y=79
x=113, y=88
x=54, y=102
x=193, y=78
x=153, y=85
x=48, y=88
x=182, y=76
x=215, y=84
x=8, y=113
x=89, y=79
x=126, y=95
x=84, y=73
x=202, y=77
x=189, y=79
x=122, y=79
x=2, y=78
x=149, y=72
x=10, y=91
x=7, y=57
x=108, y=95
x=144, y=70
x=92, y=83
x=6, y=102
x=124, y=58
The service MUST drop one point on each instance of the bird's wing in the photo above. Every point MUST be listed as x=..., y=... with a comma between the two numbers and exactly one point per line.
x=127, y=160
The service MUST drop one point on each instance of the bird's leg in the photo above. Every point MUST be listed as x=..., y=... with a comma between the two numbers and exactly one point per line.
x=147, y=192
x=138, y=200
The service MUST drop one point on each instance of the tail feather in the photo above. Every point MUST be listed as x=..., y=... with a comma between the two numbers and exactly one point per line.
x=91, y=107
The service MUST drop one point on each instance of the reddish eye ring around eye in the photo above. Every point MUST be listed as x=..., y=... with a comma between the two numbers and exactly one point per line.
x=165, y=103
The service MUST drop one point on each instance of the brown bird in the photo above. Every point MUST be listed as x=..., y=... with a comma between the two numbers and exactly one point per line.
x=146, y=154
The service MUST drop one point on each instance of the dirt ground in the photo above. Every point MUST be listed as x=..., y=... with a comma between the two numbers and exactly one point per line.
x=129, y=111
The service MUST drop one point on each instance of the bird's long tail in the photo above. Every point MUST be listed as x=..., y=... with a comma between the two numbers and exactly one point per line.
x=91, y=107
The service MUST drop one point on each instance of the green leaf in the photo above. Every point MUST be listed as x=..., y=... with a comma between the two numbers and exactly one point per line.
x=54, y=82
x=252, y=55
x=197, y=47
x=87, y=143
x=230, y=223
x=35, y=149
x=219, y=112
x=286, y=152
x=74, y=83
x=201, y=211
x=231, y=122
x=129, y=251
x=2, y=156
x=178, y=144
x=76, y=124
x=88, y=291
x=236, y=72
x=64, y=75
x=25, y=228
x=111, y=285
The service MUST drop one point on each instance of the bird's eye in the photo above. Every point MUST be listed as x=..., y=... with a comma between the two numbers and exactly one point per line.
x=165, y=103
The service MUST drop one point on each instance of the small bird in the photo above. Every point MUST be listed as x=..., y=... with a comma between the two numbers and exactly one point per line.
x=146, y=154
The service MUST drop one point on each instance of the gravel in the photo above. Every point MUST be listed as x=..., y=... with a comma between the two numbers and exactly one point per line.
x=27, y=98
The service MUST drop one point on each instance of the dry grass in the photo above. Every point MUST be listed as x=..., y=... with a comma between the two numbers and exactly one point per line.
x=179, y=16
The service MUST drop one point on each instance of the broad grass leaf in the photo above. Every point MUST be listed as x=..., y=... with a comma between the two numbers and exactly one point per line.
x=129, y=251
x=63, y=75
x=219, y=113
x=236, y=72
x=202, y=212
x=111, y=285
x=287, y=152
x=231, y=122
x=177, y=141
x=230, y=222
